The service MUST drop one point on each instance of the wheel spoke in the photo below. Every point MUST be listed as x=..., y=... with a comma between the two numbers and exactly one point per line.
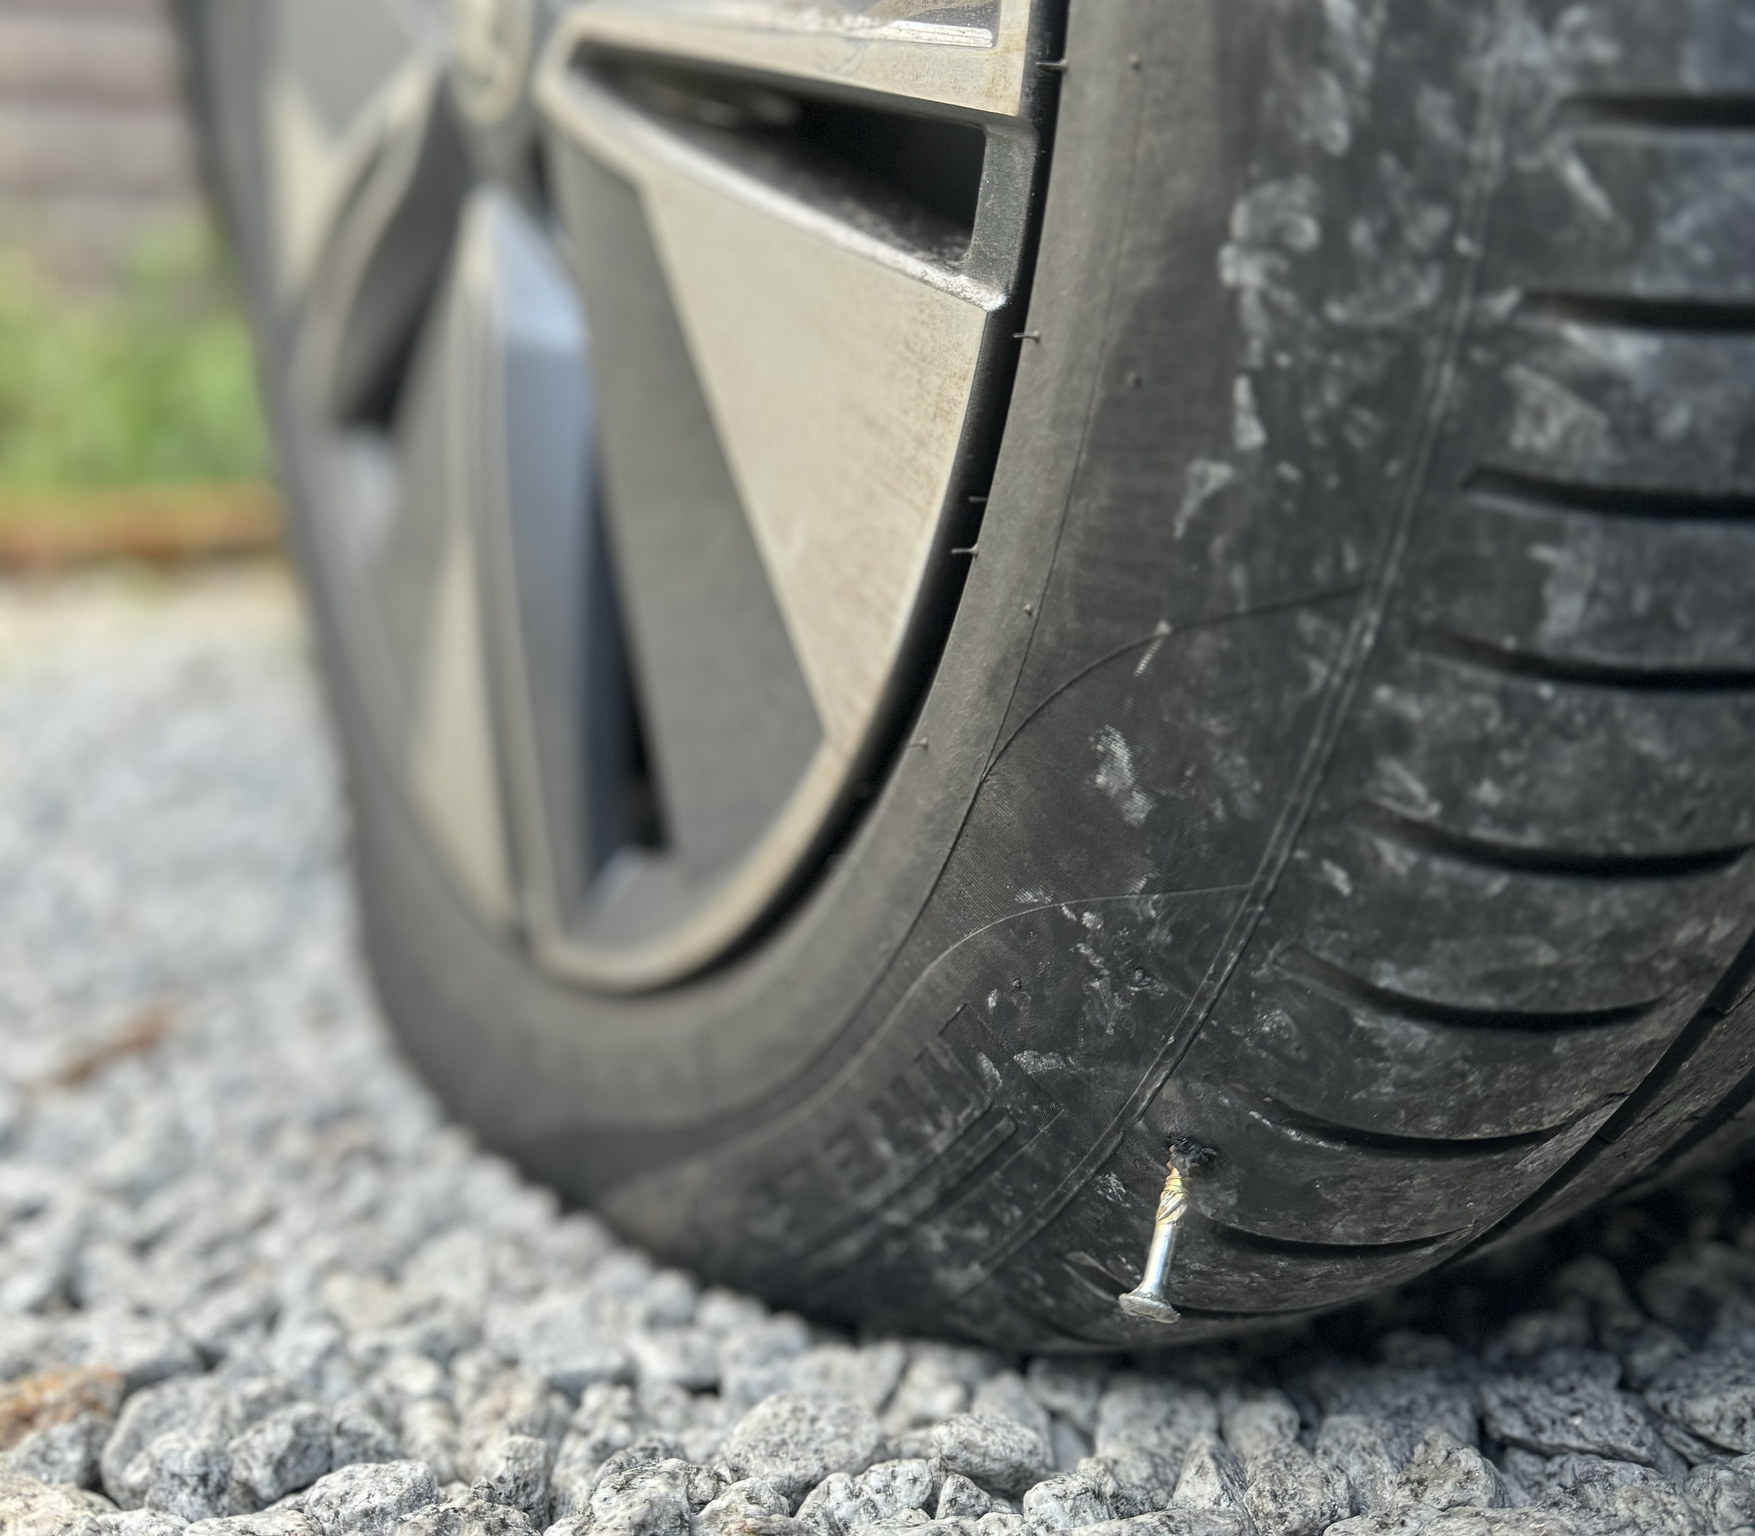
x=328, y=112
x=965, y=53
x=628, y=601
x=561, y=695
x=428, y=588
x=838, y=358
x=728, y=714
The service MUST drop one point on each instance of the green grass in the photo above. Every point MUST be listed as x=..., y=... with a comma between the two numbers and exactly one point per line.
x=149, y=384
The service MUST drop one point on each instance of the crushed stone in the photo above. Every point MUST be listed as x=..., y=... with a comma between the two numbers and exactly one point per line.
x=254, y=1283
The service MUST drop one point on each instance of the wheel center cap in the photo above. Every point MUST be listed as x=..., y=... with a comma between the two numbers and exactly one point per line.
x=491, y=42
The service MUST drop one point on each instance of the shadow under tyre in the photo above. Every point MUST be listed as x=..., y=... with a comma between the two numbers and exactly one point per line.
x=925, y=610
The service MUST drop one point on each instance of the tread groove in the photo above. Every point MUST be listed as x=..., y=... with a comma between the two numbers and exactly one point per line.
x=1278, y=1112
x=1701, y=113
x=1381, y=820
x=1345, y=987
x=1513, y=662
x=1713, y=1011
x=1720, y=1115
x=1260, y=1242
x=1522, y=491
x=1634, y=312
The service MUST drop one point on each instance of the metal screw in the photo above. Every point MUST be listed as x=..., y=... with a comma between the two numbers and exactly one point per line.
x=1150, y=1298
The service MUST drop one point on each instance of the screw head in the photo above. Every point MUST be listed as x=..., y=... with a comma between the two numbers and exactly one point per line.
x=1148, y=1308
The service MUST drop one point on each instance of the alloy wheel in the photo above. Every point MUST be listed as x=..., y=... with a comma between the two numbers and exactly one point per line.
x=652, y=354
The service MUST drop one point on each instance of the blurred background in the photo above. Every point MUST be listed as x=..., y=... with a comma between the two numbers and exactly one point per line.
x=129, y=420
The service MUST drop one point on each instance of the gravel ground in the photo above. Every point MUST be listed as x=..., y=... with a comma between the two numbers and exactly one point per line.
x=251, y=1281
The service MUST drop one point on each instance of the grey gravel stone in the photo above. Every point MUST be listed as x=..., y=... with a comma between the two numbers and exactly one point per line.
x=1446, y=1474
x=1001, y=1455
x=756, y=1359
x=359, y=1435
x=468, y=1515
x=287, y=1450
x=1068, y=1445
x=937, y=1383
x=1259, y=1423
x=1004, y=1395
x=959, y=1498
x=742, y=1502
x=145, y=1416
x=1287, y=1491
x=30, y=1508
x=144, y=1522
x=682, y=1357
x=183, y=1473
x=1355, y=1449
x=555, y=1337
x=511, y=1403
x=141, y=1350
x=904, y=1520
x=866, y=1373
x=1211, y=1477
x=1177, y=1522
x=1144, y=1428
x=67, y=1452
x=1712, y=1395
x=1724, y=1494
x=429, y=1434
x=1068, y=1388
x=794, y=1441
x=514, y=1471
x=646, y=1499
x=888, y=1488
x=1406, y=1400
x=1066, y=1503
x=1687, y=1289
x=266, y=1522
x=1655, y=1509
x=1577, y=1481
x=831, y=1507
x=1573, y=1412
x=369, y=1500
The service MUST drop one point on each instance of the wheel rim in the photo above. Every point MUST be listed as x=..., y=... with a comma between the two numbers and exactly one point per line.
x=649, y=355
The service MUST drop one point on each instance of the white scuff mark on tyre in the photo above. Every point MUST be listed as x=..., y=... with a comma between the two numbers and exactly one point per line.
x=1204, y=480
x=1582, y=41
x=1403, y=789
x=1247, y=433
x=1322, y=113
x=1269, y=224
x=1435, y=109
x=1100, y=987
x=1111, y=1188
x=1336, y=94
x=1284, y=214
x=1395, y=293
x=1151, y=651
x=1355, y=28
x=1586, y=190
x=1116, y=779
x=1567, y=589
x=1552, y=420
